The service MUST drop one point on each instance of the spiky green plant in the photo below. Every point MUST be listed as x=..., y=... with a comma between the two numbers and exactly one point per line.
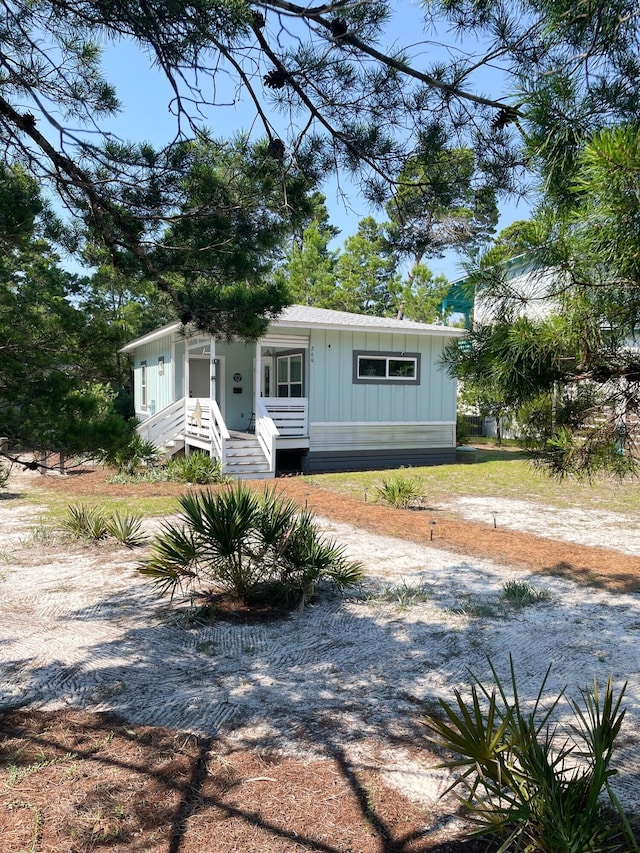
x=304, y=558
x=84, y=522
x=154, y=474
x=521, y=594
x=534, y=788
x=197, y=467
x=137, y=454
x=4, y=475
x=253, y=546
x=405, y=594
x=398, y=491
x=126, y=528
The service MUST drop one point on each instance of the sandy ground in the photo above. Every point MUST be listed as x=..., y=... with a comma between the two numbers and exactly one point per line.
x=79, y=628
x=614, y=530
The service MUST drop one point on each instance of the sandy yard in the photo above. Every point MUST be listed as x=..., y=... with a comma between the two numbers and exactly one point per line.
x=81, y=630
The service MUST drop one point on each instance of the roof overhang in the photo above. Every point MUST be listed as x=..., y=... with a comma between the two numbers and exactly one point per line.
x=152, y=336
x=397, y=328
x=284, y=324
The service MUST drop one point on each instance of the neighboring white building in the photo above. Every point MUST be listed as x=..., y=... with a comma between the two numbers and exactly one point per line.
x=529, y=290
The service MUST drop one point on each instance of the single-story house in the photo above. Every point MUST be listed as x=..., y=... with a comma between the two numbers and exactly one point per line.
x=321, y=391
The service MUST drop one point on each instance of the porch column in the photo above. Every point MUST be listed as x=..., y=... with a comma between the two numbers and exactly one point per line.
x=212, y=368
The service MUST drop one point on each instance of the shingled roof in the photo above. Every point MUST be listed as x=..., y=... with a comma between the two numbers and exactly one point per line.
x=304, y=316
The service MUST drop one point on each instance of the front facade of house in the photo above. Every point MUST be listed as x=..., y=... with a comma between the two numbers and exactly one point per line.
x=324, y=390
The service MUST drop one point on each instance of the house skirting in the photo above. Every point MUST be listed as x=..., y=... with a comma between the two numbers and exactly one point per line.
x=376, y=460
x=362, y=446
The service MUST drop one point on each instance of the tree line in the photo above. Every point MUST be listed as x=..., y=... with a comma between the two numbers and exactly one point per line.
x=483, y=99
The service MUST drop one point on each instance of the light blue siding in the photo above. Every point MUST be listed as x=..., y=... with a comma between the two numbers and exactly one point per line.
x=333, y=396
x=159, y=388
x=178, y=386
x=238, y=361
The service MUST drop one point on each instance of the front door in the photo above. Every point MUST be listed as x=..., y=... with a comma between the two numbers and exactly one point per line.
x=200, y=379
x=199, y=382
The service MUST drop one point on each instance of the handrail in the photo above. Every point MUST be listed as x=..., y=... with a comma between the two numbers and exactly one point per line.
x=164, y=425
x=204, y=422
x=219, y=434
x=197, y=417
x=266, y=433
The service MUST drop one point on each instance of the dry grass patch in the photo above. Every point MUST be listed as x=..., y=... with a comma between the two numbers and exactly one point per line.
x=74, y=782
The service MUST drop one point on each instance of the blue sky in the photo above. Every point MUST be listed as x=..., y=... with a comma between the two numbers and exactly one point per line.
x=145, y=115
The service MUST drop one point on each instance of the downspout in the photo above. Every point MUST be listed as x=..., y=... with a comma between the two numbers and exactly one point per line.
x=258, y=378
x=212, y=368
x=174, y=391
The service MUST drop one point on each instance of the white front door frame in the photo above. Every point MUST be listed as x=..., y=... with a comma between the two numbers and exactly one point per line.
x=217, y=379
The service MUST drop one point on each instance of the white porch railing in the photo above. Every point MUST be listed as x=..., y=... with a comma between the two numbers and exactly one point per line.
x=266, y=433
x=290, y=415
x=199, y=421
x=219, y=434
x=165, y=425
x=204, y=422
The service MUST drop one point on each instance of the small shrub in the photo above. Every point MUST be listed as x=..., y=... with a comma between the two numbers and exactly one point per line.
x=94, y=525
x=521, y=594
x=477, y=607
x=137, y=454
x=259, y=548
x=525, y=783
x=41, y=533
x=126, y=528
x=4, y=475
x=197, y=467
x=462, y=430
x=405, y=594
x=83, y=522
x=398, y=491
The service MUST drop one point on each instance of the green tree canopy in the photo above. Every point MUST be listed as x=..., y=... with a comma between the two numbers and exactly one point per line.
x=578, y=362
x=366, y=272
x=365, y=276
x=309, y=271
x=50, y=397
x=442, y=202
x=330, y=87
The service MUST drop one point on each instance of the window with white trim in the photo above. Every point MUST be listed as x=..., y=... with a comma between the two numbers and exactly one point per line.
x=289, y=375
x=392, y=368
x=143, y=385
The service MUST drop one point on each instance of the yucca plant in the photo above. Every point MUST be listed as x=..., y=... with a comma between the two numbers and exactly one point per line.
x=534, y=788
x=256, y=547
x=84, y=522
x=126, y=528
x=398, y=491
